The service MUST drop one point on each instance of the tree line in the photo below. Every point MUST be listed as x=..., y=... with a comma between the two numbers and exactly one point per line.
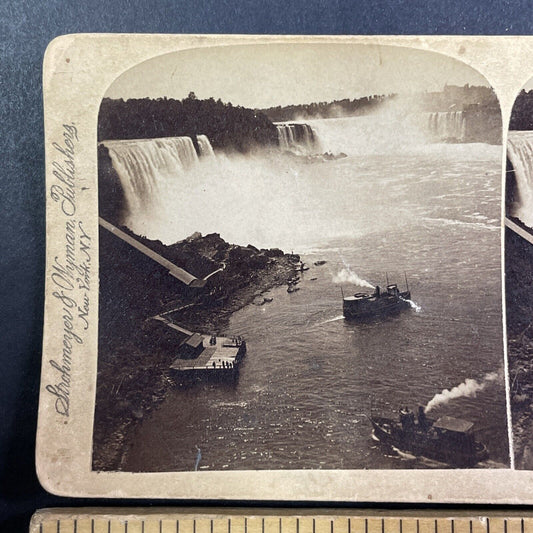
x=227, y=127
x=522, y=114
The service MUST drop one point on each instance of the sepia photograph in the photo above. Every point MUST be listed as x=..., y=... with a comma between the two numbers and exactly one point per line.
x=300, y=262
x=519, y=272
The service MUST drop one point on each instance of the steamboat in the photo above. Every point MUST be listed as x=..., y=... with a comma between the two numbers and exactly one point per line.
x=362, y=305
x=446, y=440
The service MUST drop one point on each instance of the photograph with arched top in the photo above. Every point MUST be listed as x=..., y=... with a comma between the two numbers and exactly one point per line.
x=300, y=262
x=519, y=272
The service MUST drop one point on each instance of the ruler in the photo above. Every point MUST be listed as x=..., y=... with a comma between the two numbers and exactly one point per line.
x=201, y=520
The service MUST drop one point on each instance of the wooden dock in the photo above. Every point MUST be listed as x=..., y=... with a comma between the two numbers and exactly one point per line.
x=224, y=355
x=209, y=355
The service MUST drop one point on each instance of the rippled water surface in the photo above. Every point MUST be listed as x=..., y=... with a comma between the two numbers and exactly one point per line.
x=310, y=378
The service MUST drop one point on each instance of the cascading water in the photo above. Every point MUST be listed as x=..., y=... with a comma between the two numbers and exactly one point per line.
x=520, y=153
x=274, y=202
x=146, y=166
x=206, y=150
x=447, y=125
x=394, y=203
x=296, y=137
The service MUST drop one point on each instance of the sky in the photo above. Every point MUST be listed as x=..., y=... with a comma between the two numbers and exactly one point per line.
x=260, y=76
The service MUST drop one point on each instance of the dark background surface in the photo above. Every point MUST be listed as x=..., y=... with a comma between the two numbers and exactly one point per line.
x=26, y=27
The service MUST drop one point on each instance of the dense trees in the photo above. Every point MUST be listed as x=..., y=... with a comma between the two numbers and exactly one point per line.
x=522, y=114
x=227, y=126
x=238, y=128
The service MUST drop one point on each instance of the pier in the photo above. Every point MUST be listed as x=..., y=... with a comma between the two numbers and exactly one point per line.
x=205, y=354
x=216, y=355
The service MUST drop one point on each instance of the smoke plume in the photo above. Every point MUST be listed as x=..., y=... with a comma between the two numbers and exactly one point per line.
x=347, y=276
x=469, y=388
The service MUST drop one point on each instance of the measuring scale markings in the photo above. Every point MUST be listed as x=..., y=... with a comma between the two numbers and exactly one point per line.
x=125, y=521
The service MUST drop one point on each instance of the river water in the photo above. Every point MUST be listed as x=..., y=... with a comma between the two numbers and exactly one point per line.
x=310, y=378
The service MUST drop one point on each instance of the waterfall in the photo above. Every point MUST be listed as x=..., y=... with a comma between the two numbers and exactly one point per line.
x=206, y=150
x=449, y=125
x=297, y=137
x=520, y=154
x=146, y=166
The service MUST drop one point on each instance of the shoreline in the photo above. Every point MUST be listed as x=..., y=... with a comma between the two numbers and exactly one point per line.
x=134, y=378
x=129, y=430
x=519, y=287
